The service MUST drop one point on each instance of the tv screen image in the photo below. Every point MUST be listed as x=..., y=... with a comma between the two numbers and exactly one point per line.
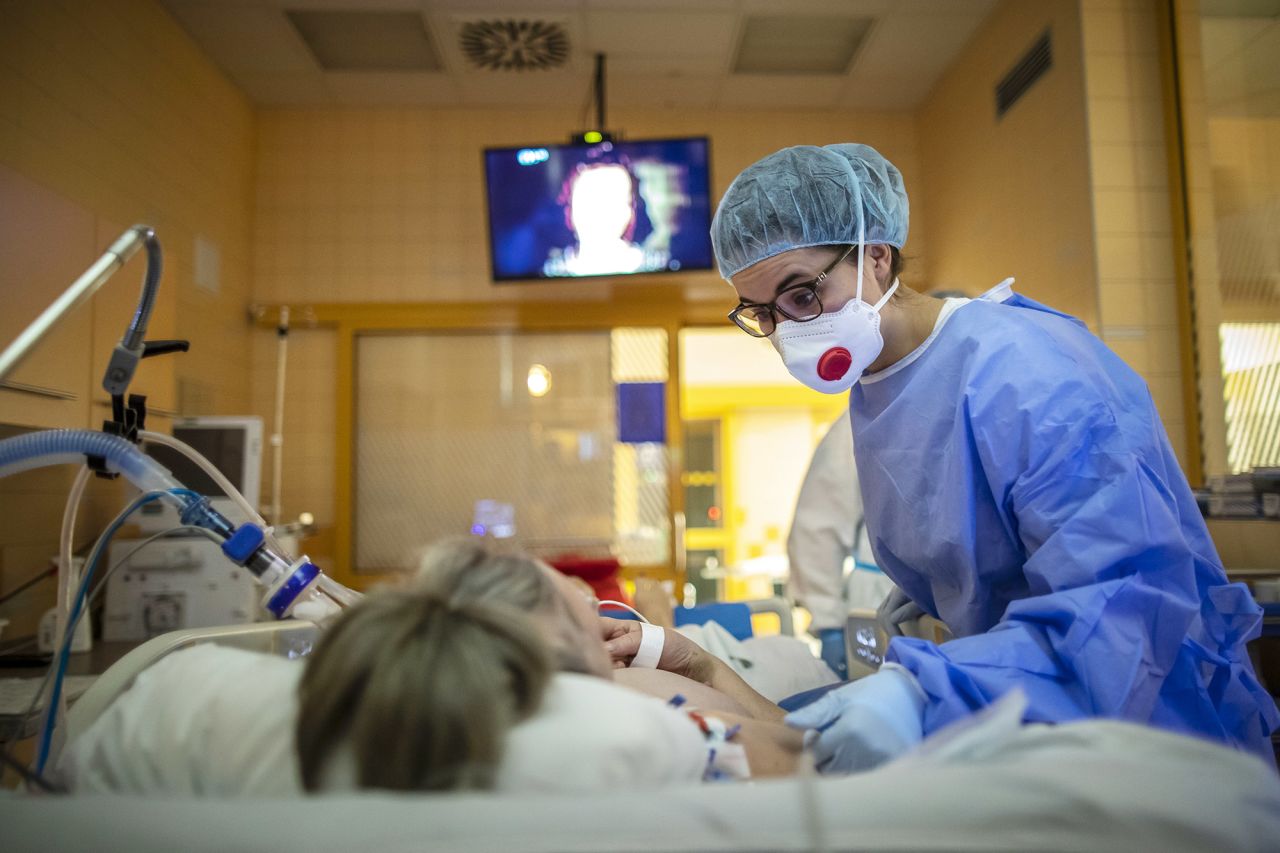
x=613, y=208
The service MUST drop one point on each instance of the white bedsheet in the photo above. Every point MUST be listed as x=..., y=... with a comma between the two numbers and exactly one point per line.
x=1085, y=786
x=776, y=667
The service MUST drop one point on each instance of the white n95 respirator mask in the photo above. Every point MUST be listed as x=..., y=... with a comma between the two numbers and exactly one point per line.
x=830, y=352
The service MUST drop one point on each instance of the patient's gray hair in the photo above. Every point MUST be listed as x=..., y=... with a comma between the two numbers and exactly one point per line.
x=423, y=682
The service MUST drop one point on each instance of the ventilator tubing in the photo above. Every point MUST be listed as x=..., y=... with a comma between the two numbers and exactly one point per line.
x=288, y=582
x=71, y=446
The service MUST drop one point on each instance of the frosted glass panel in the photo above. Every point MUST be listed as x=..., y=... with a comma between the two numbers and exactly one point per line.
x=447, y=421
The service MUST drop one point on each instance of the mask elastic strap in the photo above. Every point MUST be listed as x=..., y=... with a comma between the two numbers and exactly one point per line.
x=883, y=299
x=862, y=245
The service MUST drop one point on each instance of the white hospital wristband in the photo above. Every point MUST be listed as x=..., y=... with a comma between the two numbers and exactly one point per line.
x=652, y=639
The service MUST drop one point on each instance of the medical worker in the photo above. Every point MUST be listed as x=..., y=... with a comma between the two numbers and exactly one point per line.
x=1016, y=479
x=827, y=533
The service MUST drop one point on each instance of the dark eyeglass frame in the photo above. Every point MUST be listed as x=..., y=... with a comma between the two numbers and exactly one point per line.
x=775, y=309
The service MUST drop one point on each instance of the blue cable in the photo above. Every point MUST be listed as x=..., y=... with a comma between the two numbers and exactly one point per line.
x=91, y=564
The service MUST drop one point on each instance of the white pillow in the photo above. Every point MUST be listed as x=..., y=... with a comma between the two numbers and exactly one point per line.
x=207, y=721
x=219, y=722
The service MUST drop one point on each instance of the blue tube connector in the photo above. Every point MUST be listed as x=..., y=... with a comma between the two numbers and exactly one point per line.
x=292, y=588
x=242, y=544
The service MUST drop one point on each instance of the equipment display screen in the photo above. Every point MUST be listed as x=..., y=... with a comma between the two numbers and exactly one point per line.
x=225, y=448
x=613, y=208
x=863, y=642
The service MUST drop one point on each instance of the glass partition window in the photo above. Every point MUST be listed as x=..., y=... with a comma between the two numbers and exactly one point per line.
x=1240, y=50
x=511, y=435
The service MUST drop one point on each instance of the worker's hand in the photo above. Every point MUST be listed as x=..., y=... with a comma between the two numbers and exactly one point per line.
x=679, y=654
x=834, y=654
x=896, y=609
x=864, y=724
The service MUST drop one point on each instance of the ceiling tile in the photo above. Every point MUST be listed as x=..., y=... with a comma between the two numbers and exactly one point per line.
x=973, y=9
x=390, y=88
x=621, y=67
x=285, y=89
x=661, y=52
x=1254, y=105
x=337, y=5
x=646, y=33
x=664, y=91
x=903, y=58
x=532, y=89
x=662, y=5
x=243, y=38
x=1240, y=8
x=1224, y=38
x=360, y=40
x=799, y=44
x=767, y=91
x=840, y=8
x=500, y=8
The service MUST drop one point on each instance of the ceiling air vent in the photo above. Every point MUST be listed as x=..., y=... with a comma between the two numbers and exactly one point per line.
x=514, y=45
x=1029, y=69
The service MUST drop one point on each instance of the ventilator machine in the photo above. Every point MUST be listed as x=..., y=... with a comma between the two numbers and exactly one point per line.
x=293, y=587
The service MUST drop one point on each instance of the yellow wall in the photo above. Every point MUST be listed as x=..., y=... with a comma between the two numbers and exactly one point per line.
x=1069, y=190
x=388, y=205
x=1138, y=295
x=110, y=115
x=1010, y=196
x=112, y=106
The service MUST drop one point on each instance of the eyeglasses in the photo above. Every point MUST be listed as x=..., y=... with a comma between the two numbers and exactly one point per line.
x=799, y=302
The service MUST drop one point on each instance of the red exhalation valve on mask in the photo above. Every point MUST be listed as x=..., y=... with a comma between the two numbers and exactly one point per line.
x=834, y=364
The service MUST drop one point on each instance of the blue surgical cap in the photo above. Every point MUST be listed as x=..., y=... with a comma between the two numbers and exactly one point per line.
x=808, y=196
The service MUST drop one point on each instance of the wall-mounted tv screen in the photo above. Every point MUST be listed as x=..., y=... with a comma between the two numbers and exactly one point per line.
x=613, y=208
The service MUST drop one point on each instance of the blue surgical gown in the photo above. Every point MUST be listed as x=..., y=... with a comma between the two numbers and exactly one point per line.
x=1018, y=485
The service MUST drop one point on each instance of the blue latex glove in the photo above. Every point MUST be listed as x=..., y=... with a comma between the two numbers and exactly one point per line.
x=833, y=651
x=866, y=723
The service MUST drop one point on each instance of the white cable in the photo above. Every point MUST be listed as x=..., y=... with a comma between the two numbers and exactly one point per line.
x=277, y=434
x=637, y=613
x=209, y=468
x=97, y=593
x=65, y=545
x=65, y=637
x=62, y=607
x=60, y=604
x=219, y=479
x=181, y=528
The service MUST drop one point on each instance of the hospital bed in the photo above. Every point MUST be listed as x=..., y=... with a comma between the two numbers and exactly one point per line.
x=1099, y=786
x=1085, y=786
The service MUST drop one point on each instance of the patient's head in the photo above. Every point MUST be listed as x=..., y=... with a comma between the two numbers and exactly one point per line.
x=421, y=683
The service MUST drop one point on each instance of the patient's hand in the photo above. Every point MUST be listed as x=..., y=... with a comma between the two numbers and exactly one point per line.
x=679, y=654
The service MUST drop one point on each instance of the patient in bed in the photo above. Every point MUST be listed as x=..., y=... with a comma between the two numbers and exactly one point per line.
x=417, y=688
